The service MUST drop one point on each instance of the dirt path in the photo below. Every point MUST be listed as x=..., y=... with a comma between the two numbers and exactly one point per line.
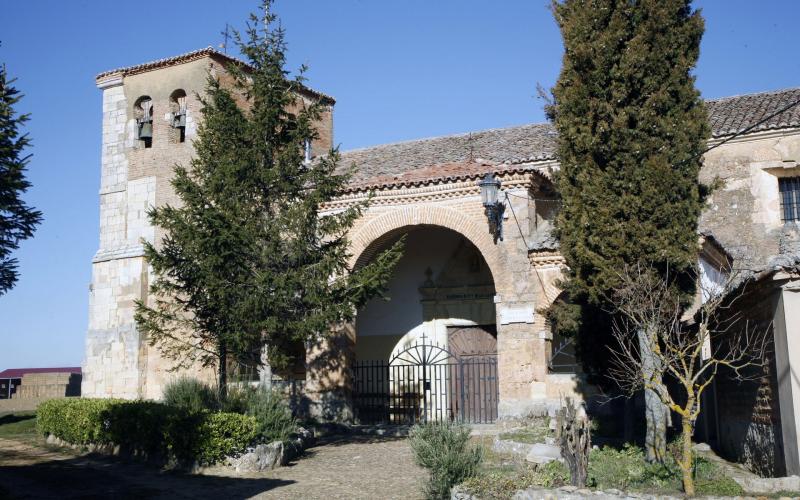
x=356, y=467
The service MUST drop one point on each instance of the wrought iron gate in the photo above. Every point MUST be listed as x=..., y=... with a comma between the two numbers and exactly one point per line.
x=426, y=382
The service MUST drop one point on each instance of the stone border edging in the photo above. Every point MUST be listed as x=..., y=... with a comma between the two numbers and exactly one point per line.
x=768, y=485
x=574, y=493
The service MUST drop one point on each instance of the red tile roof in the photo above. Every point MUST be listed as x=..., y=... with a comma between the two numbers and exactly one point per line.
x=446, y=172
x=19, y=372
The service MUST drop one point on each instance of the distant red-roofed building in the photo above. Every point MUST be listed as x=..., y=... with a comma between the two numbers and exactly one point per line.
x=40, y=382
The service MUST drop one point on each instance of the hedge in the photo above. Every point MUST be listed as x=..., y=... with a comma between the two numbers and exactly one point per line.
x=149, y=428
x=76, y=421
x=224, y=434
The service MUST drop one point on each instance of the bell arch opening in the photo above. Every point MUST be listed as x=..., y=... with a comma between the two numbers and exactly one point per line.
x=440, y=299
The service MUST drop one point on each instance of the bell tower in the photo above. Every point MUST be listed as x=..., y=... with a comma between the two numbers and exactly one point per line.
x=150, y=118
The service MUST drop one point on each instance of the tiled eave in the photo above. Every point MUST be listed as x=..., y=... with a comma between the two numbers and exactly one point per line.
x=119, y=73
x=452, y=173
x=440, y=188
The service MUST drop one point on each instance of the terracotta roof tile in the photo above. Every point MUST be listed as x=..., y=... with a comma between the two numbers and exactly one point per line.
x=447, y=172
x=507, y=145
x=398, y=163
x=731, y=115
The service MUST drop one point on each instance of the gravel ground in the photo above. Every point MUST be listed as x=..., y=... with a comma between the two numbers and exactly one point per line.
x=360, y=467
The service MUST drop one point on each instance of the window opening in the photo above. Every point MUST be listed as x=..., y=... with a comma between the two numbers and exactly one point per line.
x=789, y=188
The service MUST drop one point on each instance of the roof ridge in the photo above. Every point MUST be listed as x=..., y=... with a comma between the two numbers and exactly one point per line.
x=191, y=56
x=545, y=123
x=752, y=94
x=155, y=62
x=448, y=136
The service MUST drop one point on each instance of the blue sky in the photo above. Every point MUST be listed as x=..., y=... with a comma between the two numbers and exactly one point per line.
x=398, y=69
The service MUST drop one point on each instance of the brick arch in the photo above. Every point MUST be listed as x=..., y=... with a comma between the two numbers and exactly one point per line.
x=368, y=239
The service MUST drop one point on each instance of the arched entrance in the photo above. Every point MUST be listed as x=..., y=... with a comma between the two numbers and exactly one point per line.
x=429, y=352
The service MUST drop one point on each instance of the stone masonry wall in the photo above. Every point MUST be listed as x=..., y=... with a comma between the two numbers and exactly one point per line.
x=111, y=364
x=744, y=213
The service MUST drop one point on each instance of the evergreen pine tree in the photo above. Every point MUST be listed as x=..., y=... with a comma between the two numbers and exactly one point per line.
x=248, y=259
x=17, y=220
x=632, y=129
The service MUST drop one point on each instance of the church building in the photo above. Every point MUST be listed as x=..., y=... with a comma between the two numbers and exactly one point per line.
x=463, y=334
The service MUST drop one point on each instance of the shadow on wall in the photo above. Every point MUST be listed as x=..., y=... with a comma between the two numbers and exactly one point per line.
x=749, y=424
x=329, y=378
x=748, y=413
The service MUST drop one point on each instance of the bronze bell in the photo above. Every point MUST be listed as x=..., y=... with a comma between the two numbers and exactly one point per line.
x=179, y=120
x=146, y=130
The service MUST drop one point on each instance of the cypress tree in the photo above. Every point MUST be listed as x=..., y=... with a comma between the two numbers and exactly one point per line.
x=17, y=220
x=632, y=129
x=249, y=260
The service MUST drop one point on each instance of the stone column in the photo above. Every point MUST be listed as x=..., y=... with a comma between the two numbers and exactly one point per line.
x=786, y=329
x=112, y=367
x=522, y=361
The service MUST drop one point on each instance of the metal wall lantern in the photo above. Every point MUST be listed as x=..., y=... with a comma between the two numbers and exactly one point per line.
x=490, y=192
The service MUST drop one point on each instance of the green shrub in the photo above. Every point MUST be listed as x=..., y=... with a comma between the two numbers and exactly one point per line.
x=627, y=469
x=138, y=426
x=553, y=474
x=619, y=469
x=271, y=411
x=76, y=421
x=443, y=448
x=237, y=399
x=148, y=427
x=223, y=434
x=191, y=395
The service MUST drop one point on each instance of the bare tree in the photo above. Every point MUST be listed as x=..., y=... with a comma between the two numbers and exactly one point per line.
x=689, y=344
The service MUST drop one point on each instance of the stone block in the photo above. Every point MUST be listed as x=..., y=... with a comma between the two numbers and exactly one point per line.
x=260, y=458
x=541, y=453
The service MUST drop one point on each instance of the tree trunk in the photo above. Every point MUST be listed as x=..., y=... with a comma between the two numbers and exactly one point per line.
x=655, y=443
x=687, y=460
x=265, y=371
x=575, y=442
x=222, y=389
